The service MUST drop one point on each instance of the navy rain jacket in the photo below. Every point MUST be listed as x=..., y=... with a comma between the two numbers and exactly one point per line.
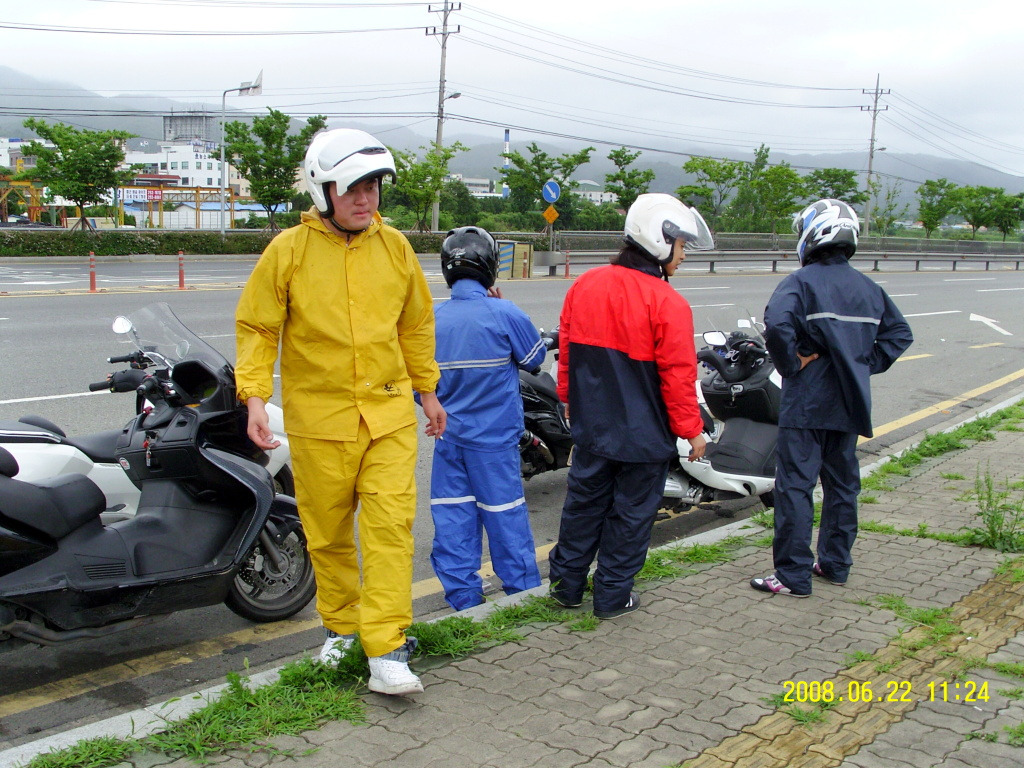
x=830, y=308
x=627, y=364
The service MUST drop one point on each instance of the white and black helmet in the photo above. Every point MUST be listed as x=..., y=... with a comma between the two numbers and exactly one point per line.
x=346, y=157
x=656, y=220
x=827, y=223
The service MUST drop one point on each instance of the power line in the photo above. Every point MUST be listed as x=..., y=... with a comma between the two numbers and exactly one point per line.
x=632, y=58
x=613, y=77
x=193, y=33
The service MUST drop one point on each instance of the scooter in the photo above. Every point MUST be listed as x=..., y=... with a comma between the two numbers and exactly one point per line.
x=44, y=450
x=546, y=442
x=209, y=527
x=740, y=405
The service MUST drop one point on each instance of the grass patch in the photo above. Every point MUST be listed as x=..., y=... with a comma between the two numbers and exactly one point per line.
x=671, y=562
x=868, y=499
x=306, y=695
x=858, y=657
x=1013, y=567
x=952, y=476
x=1001, y=514
x=935, y=620
x=1015, y=734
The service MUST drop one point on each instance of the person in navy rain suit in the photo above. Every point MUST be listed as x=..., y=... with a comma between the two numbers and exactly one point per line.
x=828, y=329
x=475, y=480
x=627, y=370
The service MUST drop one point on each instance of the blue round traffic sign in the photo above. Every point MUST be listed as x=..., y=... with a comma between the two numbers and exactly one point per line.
x=551, y=191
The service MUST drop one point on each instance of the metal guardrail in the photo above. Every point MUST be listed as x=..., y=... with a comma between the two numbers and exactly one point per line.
x=564, y=259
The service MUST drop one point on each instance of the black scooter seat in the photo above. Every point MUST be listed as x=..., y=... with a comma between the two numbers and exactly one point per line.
x=542, y=382
x=55, y=506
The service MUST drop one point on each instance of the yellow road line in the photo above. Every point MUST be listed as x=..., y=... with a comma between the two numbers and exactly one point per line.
x=912, y=357
x=945, y=405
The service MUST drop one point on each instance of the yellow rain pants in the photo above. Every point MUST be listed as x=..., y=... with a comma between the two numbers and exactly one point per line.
x=332, y=478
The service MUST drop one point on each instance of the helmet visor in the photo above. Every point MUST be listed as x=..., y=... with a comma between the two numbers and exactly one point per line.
x=700, y=239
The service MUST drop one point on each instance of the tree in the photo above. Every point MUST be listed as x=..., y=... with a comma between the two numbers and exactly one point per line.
x=836, y=183
x=977, y=206
x=889, y=210
x=935, y=201
x=765, y=194
x=779, y=189
x=420, y=181
x=82, y=165
x=526, y=176
x=268, y=157
x=744, y=211
x=627, y=184
x=1008, y=213
x=716, y=180
x=457, y=202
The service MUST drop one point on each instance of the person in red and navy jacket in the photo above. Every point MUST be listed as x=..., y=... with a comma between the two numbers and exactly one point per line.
x=627, y=372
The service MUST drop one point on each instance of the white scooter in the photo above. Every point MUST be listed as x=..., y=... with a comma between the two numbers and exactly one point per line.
x=43, y=450
x=740, y=402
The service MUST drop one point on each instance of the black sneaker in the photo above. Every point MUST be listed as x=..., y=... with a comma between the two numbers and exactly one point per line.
x=629, y=607
x=564, y=602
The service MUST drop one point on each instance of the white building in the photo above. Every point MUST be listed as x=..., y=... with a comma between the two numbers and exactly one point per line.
x=595, y=192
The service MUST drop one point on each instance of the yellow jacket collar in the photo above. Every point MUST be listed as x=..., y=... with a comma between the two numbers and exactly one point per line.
x=313, y=219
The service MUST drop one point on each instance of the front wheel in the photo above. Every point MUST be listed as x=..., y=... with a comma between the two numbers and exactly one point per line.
x=261, y=592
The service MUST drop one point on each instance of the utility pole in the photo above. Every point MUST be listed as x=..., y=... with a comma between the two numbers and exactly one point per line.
x=445, y=9
x=874, y=109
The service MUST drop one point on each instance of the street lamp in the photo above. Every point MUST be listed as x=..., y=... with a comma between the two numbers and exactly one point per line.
x=254, y=88
x=435, y=211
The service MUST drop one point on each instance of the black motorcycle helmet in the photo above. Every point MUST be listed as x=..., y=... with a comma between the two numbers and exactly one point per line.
x=469, y=252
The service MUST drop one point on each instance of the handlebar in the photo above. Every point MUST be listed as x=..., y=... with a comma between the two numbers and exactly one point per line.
x=136, y=357
x=96, y=386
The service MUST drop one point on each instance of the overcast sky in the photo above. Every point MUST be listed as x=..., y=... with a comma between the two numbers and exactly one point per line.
x=662, y=75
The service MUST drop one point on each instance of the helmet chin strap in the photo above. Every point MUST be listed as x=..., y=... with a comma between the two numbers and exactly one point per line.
x=337, y=226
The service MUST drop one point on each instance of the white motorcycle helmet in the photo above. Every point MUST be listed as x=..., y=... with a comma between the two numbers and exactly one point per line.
x=346, y=157
x=656, y=220
x=827, y=223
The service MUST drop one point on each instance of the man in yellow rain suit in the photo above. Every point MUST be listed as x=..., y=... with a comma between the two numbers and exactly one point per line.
x=345, y=297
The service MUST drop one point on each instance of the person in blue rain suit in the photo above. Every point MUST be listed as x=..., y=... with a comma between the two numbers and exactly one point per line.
x=829, y=328
x=475, y=481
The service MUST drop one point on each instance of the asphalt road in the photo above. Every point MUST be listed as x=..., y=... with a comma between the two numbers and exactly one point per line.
x=55, y=337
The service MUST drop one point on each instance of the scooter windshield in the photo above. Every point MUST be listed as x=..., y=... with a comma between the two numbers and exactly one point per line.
x=730, y=320
x=157, y=331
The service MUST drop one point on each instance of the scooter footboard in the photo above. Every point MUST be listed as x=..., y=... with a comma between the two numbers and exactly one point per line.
x=745, y=448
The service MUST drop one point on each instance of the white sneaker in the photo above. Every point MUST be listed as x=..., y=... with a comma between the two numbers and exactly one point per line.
x=335, y=647
x=390, y=673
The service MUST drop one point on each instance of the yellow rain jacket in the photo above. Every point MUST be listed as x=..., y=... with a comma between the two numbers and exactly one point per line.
x=356, y=326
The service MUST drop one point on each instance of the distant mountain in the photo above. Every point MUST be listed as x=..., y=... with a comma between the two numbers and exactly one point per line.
x=23, y=96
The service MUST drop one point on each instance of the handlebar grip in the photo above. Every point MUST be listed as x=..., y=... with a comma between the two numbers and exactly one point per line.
x=123, y=358
x=96, y=386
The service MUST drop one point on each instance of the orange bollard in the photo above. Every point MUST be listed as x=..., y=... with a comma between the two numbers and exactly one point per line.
x=181, y=271
x=92, y=272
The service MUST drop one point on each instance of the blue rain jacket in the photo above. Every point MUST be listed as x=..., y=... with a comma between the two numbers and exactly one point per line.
x=830, y=308
x=481, y=344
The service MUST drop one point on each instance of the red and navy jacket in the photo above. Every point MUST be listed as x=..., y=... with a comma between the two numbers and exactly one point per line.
x=627, y=364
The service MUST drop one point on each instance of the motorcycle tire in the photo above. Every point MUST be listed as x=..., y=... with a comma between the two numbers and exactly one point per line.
x=284, y=482
x=260, y=594
x=768, y=499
